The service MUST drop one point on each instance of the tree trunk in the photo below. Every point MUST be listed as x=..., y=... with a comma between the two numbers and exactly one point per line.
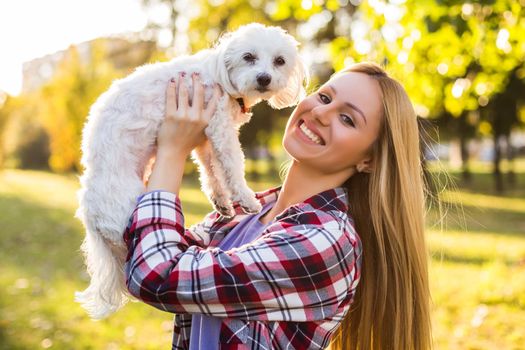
x=463, y=145
x=511, y=175
x=498, y=181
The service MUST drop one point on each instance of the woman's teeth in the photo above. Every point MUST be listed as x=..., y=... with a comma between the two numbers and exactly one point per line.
x=309, y=133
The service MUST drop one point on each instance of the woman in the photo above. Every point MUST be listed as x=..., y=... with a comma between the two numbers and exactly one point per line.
x=297, y=275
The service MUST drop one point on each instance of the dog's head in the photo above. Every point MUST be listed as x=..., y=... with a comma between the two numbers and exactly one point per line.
x=262, y=63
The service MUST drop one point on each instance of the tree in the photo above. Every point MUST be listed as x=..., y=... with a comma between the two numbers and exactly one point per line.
x=502, y=114
x=5, y=100
x=24, y=142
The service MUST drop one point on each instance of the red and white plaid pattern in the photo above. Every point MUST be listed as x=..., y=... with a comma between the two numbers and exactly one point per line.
x=289, y=289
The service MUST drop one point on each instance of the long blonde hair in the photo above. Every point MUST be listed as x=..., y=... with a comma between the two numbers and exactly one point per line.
x=391, y=309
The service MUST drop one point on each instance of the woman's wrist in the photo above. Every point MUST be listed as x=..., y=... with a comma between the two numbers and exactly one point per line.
x=168, y=170
x=172, y=153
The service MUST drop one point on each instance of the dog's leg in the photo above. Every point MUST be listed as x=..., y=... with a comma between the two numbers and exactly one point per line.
x=229, y=157
x=212, y=180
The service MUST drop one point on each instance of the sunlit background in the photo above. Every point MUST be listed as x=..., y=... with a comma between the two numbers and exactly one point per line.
x=462, y=63
x=30, y=29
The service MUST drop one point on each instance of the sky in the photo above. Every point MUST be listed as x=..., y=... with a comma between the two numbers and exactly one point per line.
x=34, y=28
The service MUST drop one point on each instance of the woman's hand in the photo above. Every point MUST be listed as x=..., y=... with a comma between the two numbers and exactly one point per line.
x=183, y=127
x=181, y=131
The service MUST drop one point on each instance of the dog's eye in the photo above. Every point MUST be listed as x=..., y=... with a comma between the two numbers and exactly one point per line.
x=248, y=57
x=279, y=61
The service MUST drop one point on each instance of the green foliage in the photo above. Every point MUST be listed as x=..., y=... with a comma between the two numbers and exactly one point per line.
x=32, y=152
x=24, y=142
x=451, y=56
x=4, y=117
x=215, y=19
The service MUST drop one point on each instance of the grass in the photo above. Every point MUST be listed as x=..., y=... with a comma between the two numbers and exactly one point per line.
x=477, y=269
x=478, y=264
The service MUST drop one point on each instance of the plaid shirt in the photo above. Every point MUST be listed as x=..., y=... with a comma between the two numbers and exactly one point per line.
x=288, y=289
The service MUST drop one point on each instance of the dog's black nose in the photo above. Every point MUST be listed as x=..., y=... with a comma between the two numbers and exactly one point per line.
x=264, y=79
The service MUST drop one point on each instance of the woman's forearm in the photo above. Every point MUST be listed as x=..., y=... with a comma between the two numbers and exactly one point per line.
x=168, y=171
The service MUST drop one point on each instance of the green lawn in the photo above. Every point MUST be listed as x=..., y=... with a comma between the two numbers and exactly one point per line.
x=477, y=270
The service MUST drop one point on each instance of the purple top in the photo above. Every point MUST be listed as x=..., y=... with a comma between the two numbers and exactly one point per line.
x=244, y=232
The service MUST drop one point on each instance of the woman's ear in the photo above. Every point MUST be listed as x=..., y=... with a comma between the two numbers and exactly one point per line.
x=364, y=166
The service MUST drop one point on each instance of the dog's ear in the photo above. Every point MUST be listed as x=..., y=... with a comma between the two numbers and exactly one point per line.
x=295, y=87
x=221, y=63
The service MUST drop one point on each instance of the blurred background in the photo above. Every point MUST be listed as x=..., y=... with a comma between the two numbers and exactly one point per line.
x=462, y=63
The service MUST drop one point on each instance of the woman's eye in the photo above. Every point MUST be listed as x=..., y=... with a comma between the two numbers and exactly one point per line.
x=347, y=120
x=324, y=98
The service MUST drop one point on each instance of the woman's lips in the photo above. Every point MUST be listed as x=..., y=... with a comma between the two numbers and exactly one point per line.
x=309, y=133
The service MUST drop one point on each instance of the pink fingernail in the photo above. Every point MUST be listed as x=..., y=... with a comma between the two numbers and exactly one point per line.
x=172, y=80
x=183, y=74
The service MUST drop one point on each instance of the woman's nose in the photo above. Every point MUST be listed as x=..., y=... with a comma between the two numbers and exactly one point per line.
x=321, y=114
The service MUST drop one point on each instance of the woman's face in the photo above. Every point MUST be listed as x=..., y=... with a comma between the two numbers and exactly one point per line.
x=333, y=129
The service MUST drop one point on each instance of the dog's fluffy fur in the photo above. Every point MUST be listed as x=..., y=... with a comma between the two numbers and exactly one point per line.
x=119, y=140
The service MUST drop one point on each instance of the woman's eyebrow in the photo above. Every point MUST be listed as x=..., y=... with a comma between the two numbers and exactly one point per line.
x=351, y=105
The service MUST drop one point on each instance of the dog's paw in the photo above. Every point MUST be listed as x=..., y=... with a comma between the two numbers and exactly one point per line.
x=251, y=206
x=223, y=209
x=226, y=211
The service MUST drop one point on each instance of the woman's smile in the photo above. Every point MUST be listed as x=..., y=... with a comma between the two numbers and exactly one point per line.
x=309, y=133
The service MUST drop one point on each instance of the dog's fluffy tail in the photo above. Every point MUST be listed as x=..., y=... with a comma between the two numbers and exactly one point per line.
x=107, y=290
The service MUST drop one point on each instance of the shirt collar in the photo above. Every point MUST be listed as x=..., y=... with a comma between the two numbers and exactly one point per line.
x=332, y=199
x=329, y=200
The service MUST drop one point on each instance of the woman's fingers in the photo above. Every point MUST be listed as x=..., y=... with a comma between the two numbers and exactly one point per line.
x=198, y=96
x=182, y=103
x=178, y=102
x=171, y=98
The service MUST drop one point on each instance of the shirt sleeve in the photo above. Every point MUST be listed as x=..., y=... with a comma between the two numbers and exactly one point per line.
x=199, y=234
x=299, y=272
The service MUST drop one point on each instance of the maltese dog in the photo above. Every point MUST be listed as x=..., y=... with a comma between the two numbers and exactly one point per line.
x=251, y=64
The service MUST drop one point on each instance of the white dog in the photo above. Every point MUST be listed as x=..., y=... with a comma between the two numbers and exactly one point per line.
x=251, y=64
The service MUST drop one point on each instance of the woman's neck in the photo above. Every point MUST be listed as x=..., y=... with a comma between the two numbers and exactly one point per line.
x=301, y=183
